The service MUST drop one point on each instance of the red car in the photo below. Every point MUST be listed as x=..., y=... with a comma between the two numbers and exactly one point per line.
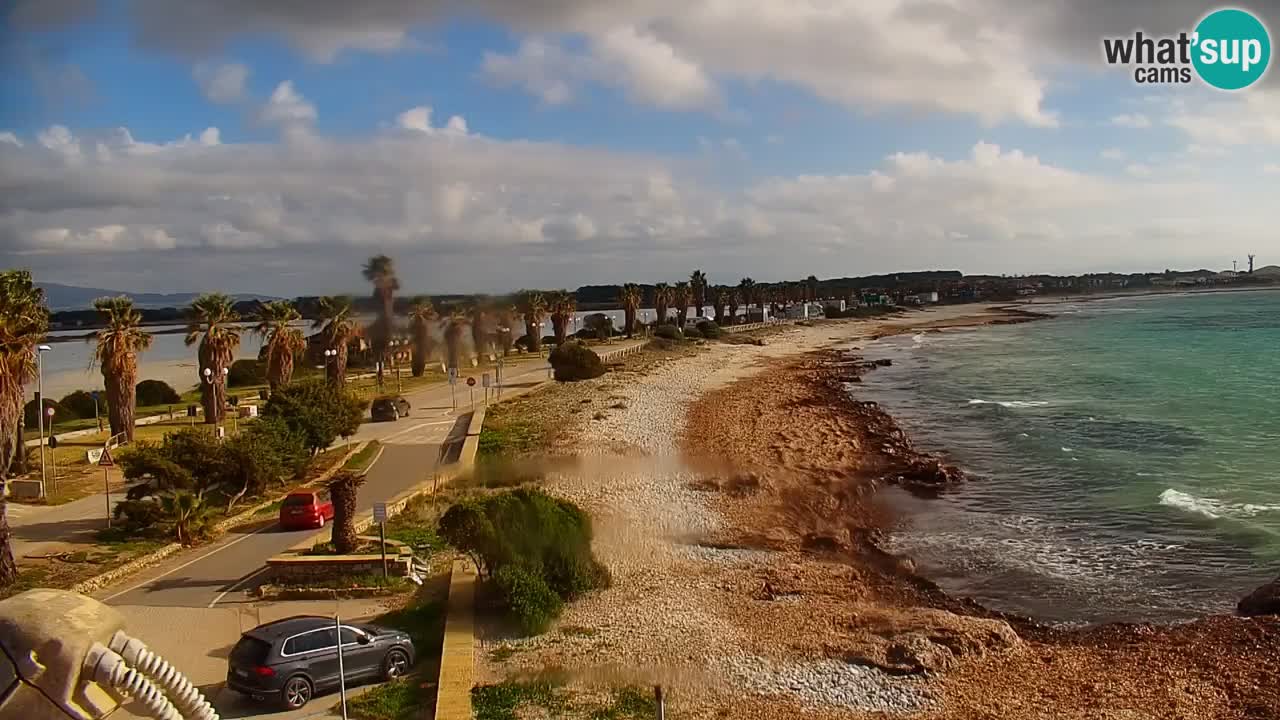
x=306, y=509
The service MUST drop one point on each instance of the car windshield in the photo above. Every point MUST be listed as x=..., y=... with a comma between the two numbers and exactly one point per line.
x=250, y=651
x=294, y=500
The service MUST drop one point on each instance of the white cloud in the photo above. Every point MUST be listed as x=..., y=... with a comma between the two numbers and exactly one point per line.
x=418, y=118
x=287, y=108
x=1247, y=119
x=1113, y=154
x=1271, y=169
x=210, y=136
x=222, y=84
x=653, y=72
x=1131, y=120
x=1138, y=170
x=457, y=125
x=10, y=138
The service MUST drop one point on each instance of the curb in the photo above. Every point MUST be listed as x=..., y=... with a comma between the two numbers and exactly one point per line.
x=457, y=653
x=142, y=562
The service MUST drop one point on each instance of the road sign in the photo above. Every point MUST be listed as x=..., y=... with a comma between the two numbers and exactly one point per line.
x=485, y=380
x=106, y=459
x=379, y=512
x=453, y=376
x=95, y=394
x=471, y=382
x=53, y=441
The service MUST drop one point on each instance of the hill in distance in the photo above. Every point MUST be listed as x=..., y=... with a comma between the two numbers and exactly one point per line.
x=1271, y=271
x=71, y=297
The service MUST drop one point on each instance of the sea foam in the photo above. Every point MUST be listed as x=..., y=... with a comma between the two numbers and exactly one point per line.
x=1211, y=508
x=1010, y=403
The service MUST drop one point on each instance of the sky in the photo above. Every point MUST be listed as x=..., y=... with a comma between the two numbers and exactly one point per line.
x=271, y=146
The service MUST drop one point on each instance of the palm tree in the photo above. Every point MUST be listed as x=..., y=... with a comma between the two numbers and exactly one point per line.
x=734, y=301
x=117, y=354
x=719, y=299
x=283, y=341
x=343, y=489
x=481, y=332
x=422, y=316
x=211, y=322
x=747, y=288
x=698, y=281
x=454, y=327
x=562, y=305
x=381, y=271
x=630, y=297
x=338, y=327
x=23, y=325
x=683, y=296
x=508, y=317
x=533, y=306
x=811, y=283
x=187, y=511
x=661, y=299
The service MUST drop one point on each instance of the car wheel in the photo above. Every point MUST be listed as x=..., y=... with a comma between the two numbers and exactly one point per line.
x=395, y=665
x=296, y=693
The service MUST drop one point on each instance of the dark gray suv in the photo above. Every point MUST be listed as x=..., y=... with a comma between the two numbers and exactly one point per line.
x=292, y=660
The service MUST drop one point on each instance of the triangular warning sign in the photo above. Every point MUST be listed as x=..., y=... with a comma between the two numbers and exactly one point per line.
x=105, y=460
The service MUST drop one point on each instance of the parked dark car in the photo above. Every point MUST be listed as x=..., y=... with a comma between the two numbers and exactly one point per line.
x=292, y=660
x=306, y=509
x=389, y=409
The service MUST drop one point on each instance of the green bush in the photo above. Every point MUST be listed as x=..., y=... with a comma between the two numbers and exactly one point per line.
x=156, y=392
x=575, y=361
x=525, y=532
x=137, y=516
x=81, y=404
x=668, y=332
x=598, y=325
x=244, y=373
x=29, y=413
x=709, y=329
x=692, y=333
x=528, y=598
x=316, y=411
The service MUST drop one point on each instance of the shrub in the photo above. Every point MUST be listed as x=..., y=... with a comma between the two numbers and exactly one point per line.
x=692, y=333
x=709, y=329
x=598, y=325
x=668, y=332
x=29, y=413
x=528, y=598
x=548, y=339
x=523, y=342
x=575, y=361
x=523, y=533
x=316, y=412
x=137, y=516
x=156, y=392
x=81, y=404
x=246, y=372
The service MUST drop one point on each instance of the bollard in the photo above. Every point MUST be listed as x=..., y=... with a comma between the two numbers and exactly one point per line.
x=661, y=703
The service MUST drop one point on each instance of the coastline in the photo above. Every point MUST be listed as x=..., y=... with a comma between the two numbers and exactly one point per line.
x=757, y=592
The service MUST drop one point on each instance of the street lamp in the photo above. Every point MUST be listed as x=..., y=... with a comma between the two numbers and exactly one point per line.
x=40, y=351
x=330, y=354
x=215, y=380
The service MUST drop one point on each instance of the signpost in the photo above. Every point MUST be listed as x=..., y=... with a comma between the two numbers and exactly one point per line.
x=96, y=417
x=380, y=517
x=106, y=462
x=453, y=381
x=471, y=388
x=342, y=675
x=485, y=381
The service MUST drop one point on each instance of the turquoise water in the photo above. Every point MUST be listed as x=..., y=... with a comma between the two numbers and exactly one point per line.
x=1126, y=455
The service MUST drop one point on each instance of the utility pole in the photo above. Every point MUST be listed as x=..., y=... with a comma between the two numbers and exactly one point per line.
x=1251, y=264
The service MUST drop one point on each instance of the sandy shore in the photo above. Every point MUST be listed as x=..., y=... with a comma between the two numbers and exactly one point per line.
x=734, y=494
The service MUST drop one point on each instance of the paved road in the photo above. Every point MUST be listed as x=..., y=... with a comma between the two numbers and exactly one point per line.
x=40, y=529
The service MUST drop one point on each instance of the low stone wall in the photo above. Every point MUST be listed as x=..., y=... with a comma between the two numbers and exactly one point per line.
x=23, y=489
x=457, y=655
x=303, y=569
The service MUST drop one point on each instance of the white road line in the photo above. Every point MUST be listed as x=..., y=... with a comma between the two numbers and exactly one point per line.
x=236, y=585
x=211, y=553
x=419, y=426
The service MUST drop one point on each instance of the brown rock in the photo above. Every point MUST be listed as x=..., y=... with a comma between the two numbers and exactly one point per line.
x=1263, y=601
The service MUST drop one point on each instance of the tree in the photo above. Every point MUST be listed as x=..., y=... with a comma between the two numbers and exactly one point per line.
x=336, y=321
x=117, y=355
x=533, y=306
x=343, y=489
x=747, y=289
x=683, y=296
x=422, y=315
x=283, y=341
x=562, y=304
x=811, y=284
x=507, y=319
x=381, y=271
x=600, y=324
x=719, y=299
x=318, y=412
x=187, y=512
x=698, y=281
x=661, y=300
x=211, y=322
x=630, y=298
x=481, y=333
x=454, y=327
x=24, y=323
x=156, y=392
x=734, y=301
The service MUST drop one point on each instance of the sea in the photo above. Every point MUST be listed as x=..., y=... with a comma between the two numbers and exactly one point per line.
x=1124, y=456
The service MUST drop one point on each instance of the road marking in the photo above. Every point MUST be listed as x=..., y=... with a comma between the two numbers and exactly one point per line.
x=236, y=584
x=211, y=553
x=419, y=426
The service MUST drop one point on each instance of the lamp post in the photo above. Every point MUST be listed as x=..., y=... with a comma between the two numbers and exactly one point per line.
x=397, y=350
x=215, y=380
x=329, y=355
x=40, y=351
x=506, y=334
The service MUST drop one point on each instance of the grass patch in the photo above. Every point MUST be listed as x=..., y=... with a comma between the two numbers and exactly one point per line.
x=396, y=700
x=356, y=581
x=502, y=653
x=628, y=703
x=577, y=631
x=511, y=700
x=505, y=434
x=423, y=619
x=361, y=461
